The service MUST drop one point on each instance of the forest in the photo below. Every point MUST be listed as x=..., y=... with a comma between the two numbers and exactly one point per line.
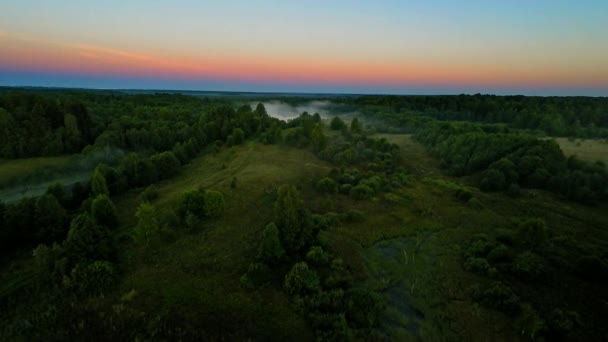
x=168, y=216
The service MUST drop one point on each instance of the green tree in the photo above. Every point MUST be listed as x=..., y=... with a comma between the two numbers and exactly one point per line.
x=147, y=229
x=166, y=164
x=301, y=280
x=355, y=126
x=271, y=250
x=104, y=212
x=238, y=136
x=214, y=204
x=492, y=180
x=192, y=203
x=291, y=219
x=50, y=218
x=73, y=136
x=327, y=185
x=98, y=183
x=88, y=241
x=318, y=138
x=337, y=124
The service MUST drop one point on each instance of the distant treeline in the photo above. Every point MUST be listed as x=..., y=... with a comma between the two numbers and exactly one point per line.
x=584, y=117
x=509, y=160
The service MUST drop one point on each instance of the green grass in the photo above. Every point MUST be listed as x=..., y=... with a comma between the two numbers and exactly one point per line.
x=586, y=149
x=197, y=276
x=10, y=168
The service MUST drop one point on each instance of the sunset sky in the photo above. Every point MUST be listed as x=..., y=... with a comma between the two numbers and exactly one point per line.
x=542, y=47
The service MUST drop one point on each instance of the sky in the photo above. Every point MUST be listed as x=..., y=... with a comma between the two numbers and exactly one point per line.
x=532, y=47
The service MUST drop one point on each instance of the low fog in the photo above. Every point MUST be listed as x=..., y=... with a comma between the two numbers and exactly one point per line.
x=285, y=111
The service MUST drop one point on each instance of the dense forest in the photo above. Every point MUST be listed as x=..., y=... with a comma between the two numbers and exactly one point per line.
x=211, y=219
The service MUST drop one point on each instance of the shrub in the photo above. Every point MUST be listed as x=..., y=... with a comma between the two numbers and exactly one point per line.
x=257, y=274
x=93, y=278
x=474, y=203
x=532, y=231
x=214, y=204
x=563, y=321
x=492, y=180
x=500, y=253
x=345, y=188
x=354, y=215
x=479, y=265
x=149, y=194
x=529, y=323
x=480, y=247
x=301, y=280
x=317, y=256
x=327, y=185
x=498, y=296
x=363, y=308
x=529, y=265
x=361, y=192
x=192, y=202
x=513, y=190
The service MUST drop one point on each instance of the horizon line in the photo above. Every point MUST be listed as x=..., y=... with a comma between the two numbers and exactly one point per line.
x=160, y=90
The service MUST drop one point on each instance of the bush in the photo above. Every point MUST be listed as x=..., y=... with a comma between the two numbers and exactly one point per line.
x=317, y=256
x=513, y=190
x=532, y=232
x=193, y=203
x=345, y=189
x=480, y=247
x=500, y=253
x=529, y=265
x=301, y=280
x=354, y=215
x=149, y=194
x=474, y=203
x=327, y=185
x=93, y=278
x=363, y=308
x=529, y=323
x=361, y=192
x=257, y=274
x=479, y=266
x=492, y=180
x=498, y=296
x=104, y=212
x=214, y=204
x=563, y=321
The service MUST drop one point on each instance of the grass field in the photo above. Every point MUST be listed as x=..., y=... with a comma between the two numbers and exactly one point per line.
x=409, y=247
x=10, y=168
x=196, y=277
x=586, y=149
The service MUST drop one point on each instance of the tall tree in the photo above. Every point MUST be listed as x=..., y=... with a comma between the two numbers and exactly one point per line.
x=292, y=219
